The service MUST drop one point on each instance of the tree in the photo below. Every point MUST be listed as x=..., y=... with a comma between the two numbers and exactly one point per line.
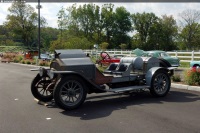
x=72, y=43
x=4, y=35
x=123, y=46
x=169, y=32
x=103, y=45
x=190, y=35
x=107, y=19
x=190, y=27
x=22, y=22
x=143, y=23
x=62, y=22
x=88, y=16
x=163, y=33
x=122, y=25
x=48, y=35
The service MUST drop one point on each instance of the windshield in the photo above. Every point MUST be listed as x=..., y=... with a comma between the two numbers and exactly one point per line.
x=43, y=55
x=147, y=55
x=164, y=54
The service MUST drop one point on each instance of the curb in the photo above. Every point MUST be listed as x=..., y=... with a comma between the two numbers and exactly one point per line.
x=185, y=87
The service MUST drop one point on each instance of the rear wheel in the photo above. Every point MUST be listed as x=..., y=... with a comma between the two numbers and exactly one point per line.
x=42, y=88
x=70, y=92
x=160, y=84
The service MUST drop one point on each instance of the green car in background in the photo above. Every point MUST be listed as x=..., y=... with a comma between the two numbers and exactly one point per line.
x=165, y=59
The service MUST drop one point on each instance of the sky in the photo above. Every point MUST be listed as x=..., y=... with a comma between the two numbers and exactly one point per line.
x=50, y=10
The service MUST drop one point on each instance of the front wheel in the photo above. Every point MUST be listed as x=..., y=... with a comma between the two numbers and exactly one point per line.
x=160, y=84
x=70, y=92
x=42, y=88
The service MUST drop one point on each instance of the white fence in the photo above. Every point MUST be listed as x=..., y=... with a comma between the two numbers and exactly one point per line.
x=183, y=56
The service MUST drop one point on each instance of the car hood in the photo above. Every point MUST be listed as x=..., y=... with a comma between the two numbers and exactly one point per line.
x=138, y=52
x=171, y=58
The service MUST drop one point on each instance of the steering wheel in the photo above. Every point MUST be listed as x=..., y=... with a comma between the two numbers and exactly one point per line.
x=103, y=55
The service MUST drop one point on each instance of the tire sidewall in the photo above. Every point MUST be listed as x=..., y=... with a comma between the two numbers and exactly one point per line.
x=152, y=89
x=35, y=92
x=58, y=88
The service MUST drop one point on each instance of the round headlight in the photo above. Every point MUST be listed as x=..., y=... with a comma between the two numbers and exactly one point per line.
x=51, y=75
x=42, y=72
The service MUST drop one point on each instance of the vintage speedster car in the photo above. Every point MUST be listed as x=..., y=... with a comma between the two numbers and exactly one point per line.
x=72, y=76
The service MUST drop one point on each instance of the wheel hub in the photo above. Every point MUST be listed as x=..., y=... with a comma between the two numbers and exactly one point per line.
x=71, y=92
x=160, y=83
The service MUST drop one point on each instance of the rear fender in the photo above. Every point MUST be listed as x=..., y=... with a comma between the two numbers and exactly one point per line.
x=151, y=72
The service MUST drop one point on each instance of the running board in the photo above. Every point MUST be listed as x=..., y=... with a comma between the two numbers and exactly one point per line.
x=129, y=88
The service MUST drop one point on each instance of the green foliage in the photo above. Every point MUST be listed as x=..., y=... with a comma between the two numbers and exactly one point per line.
x=18, y=58
x=9, y=42
x=107, y=19
x=123, y=46
x=153, y=32
x=190, y=36
x=192, y=77
x=43, y=63
x=190, y=29
x=88, y=24
x=21, y=25
x=56, y=45
x=176, y=78
x=48, y=35
x=28, y=62
x=103, y=45
x=78, y=43
x=72, y=43
x=122, y=25
x=99, y=25
x=23, y=61
x=185, y=64
x=21, y=21
x=143, y=23
x=13, y=48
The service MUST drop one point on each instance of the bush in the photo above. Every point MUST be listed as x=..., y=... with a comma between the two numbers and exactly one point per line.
x=33, y=62
x=18, y=58
x=28, y=62
x=23, y=61
x=9, y=55
x=192, y=76
x=176, y=78
x=44, y=63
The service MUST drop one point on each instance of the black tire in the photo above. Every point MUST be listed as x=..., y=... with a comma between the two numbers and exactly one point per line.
x=164, y=63
x=196, y=65
x=160, y=84
x=40, y=88
x=70, y=92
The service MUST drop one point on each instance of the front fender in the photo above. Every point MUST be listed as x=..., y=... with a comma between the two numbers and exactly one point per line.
x=92, y=87
x=151, y=72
